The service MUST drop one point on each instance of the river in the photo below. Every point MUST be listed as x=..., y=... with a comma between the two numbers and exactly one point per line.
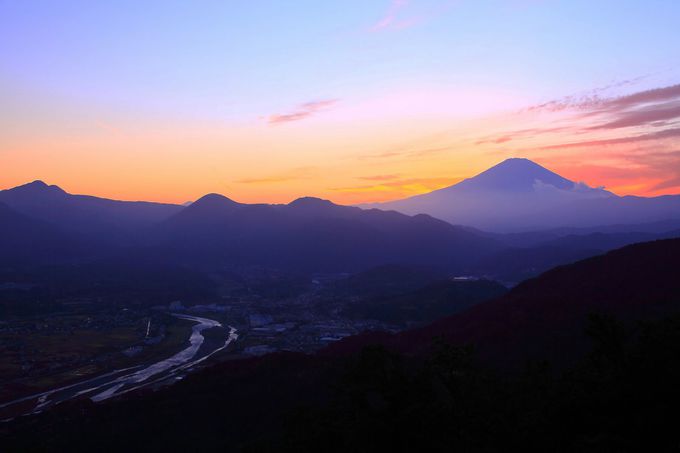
x=122, y=381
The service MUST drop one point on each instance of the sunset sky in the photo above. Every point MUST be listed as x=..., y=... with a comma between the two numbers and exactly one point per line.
x=354, y=101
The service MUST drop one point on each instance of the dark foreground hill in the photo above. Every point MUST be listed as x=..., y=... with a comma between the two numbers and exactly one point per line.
x=515, y=264
x=618, y=391
x=407, y=296
x=545, y=316
x=427, y=303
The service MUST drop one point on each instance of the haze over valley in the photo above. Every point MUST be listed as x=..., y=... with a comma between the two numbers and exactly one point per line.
x=359, y=226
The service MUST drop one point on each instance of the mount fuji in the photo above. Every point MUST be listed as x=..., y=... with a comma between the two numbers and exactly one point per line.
x=521, y=195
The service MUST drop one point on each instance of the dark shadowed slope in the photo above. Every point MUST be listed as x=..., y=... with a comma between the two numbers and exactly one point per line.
x=534, y=238
x=619, y=398
x=435, y=401
x=428, y=303
x=84, y=213
x=516, y=264
x=386, y=280
x=520, y=195
x=408, y=296
x=317, y=235
x=26, y=240
x=545, y=317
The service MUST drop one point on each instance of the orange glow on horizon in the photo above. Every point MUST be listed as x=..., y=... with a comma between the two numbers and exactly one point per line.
x=371, y=151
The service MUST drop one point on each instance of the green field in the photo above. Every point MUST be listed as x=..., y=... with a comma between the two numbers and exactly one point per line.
x=38, y=360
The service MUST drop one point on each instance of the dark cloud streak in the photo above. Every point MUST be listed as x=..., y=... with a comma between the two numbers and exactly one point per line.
x=668, y=133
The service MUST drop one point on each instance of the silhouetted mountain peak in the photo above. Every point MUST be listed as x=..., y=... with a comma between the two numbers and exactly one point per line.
x=113, y=219
x=209, y=208
x=518, y=162
x=518, y=194
x=516, y=174
x=214, y=200
x=38, y=188
x=311, y=202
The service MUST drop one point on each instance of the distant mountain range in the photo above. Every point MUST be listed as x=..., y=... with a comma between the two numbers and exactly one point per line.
x=520, y=195
x=307, y=234
x=315, y=235
x=520, y=262
x=43, y=223
x=84, y=213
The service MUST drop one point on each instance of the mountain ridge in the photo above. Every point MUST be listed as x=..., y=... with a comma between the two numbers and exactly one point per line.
x=311, y=233
x=634, y=283
x=84, y=213
x=519, y=195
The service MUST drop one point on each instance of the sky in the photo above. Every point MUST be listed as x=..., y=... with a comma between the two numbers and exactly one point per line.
x=353, y=101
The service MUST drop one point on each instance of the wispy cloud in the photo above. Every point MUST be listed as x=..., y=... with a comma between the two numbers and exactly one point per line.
x=286, y=176
x=109, y=127
x=401, y=14
x=302, y=111
x=517, y=134
x=657, y=114
x=652, y=168
x=630, y=141
x=663, y=165
x=667, y=133
x=379, y=177
x=391, y=17
x=669, y=183
x=648, y=96
x=640, y=108
x=625, y=140
x=381, y=155
x=600, y=121
x=396, y=188
x=588, y=99
x=409, y=153
x=498, y=139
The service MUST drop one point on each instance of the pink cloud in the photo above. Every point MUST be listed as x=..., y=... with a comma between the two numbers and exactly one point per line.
x=668, y=133
x=596, y=97
x=395, y=19
x=379, y=177
x=291, y=175
x=398, y=184
x=302, y=111
x=644, y=97
x=391, y=16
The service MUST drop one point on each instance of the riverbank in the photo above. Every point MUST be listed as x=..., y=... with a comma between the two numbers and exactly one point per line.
x=121, y=381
